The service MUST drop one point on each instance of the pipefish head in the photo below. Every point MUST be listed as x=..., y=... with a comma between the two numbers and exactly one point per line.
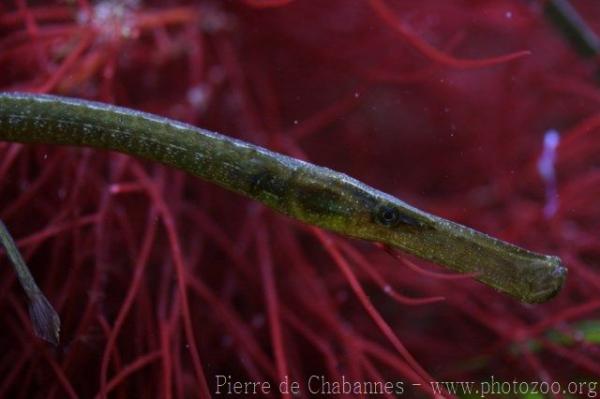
x=337, y=202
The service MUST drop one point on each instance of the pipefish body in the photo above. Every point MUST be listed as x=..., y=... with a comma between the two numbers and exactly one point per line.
x=310, y=193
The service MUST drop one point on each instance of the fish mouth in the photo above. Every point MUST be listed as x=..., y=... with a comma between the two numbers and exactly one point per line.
x=546, y=284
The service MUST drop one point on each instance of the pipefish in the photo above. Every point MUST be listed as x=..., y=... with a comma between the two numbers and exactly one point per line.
x=310, y=193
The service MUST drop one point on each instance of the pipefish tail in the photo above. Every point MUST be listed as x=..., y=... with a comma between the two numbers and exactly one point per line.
x=45, y=321
x=310, y=193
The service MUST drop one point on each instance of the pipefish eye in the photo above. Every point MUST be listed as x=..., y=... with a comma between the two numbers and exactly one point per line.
x=388, y=215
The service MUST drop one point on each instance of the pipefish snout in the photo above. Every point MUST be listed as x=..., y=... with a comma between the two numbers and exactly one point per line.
x=310, y=193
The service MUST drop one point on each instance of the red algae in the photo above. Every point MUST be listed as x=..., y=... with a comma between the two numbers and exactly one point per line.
x=167, y=286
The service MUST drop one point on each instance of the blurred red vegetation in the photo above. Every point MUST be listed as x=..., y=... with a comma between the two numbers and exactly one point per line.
x=163, y=281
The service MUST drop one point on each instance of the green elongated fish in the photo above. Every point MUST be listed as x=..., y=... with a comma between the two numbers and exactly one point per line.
x=307, y=192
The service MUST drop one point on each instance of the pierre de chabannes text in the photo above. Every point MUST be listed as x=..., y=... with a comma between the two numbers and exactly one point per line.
x=315, y=384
